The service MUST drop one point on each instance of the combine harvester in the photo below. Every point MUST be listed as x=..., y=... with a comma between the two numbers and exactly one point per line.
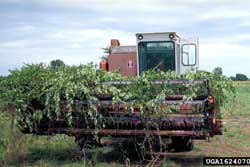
x=196, y=118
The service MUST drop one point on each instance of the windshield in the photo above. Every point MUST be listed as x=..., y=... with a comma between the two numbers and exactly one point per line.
x=160, y=55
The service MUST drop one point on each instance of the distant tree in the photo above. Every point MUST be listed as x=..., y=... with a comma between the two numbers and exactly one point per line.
x=4, y=88
x=241, y=77
x=106, y=52
x=56, y=64
x=2, y=78
x=233, y=78
x=218, y=70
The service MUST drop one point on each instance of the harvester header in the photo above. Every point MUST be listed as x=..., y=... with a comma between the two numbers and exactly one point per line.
x=181, y=109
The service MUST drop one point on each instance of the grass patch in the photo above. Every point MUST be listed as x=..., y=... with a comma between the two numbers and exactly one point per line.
x=12, y=144
x=240, y=106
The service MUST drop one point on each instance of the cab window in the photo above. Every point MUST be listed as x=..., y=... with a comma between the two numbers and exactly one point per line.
x=188, y=54
x=156, y=54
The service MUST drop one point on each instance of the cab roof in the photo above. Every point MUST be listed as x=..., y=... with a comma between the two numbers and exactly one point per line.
x=145, y=33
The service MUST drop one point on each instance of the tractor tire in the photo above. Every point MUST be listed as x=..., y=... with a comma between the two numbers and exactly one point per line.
x=86, y=142
x=180, y=144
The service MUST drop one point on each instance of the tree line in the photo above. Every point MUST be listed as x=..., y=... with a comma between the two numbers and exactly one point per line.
x=237, y=77
x=56, y=64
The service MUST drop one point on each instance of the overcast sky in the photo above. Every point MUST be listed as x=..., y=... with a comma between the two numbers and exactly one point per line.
x=74, y=31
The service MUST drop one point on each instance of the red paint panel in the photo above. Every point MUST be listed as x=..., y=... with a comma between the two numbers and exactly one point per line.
x=124, y=62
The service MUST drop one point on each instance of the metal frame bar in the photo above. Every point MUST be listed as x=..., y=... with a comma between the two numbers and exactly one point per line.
x=174, y=82
x=125, y=132
x=164, y=102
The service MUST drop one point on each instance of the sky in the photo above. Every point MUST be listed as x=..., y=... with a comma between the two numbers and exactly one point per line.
x=34, y=31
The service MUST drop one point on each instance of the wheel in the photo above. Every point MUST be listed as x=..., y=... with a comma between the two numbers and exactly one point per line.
x=133, y=148
x=180, y=143
x=86, y=142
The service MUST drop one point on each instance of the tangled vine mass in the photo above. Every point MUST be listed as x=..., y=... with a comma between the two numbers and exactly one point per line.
x=38, y=91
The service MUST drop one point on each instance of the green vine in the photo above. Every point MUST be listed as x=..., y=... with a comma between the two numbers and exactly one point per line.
x=38, y=92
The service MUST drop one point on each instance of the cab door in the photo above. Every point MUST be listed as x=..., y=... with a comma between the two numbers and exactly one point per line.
x=189, y=55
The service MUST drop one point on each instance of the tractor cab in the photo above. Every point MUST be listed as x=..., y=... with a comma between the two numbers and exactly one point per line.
x=164, y=51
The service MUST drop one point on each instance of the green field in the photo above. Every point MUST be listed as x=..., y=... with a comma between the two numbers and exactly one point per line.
x=17, y=149
x=240, y=107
